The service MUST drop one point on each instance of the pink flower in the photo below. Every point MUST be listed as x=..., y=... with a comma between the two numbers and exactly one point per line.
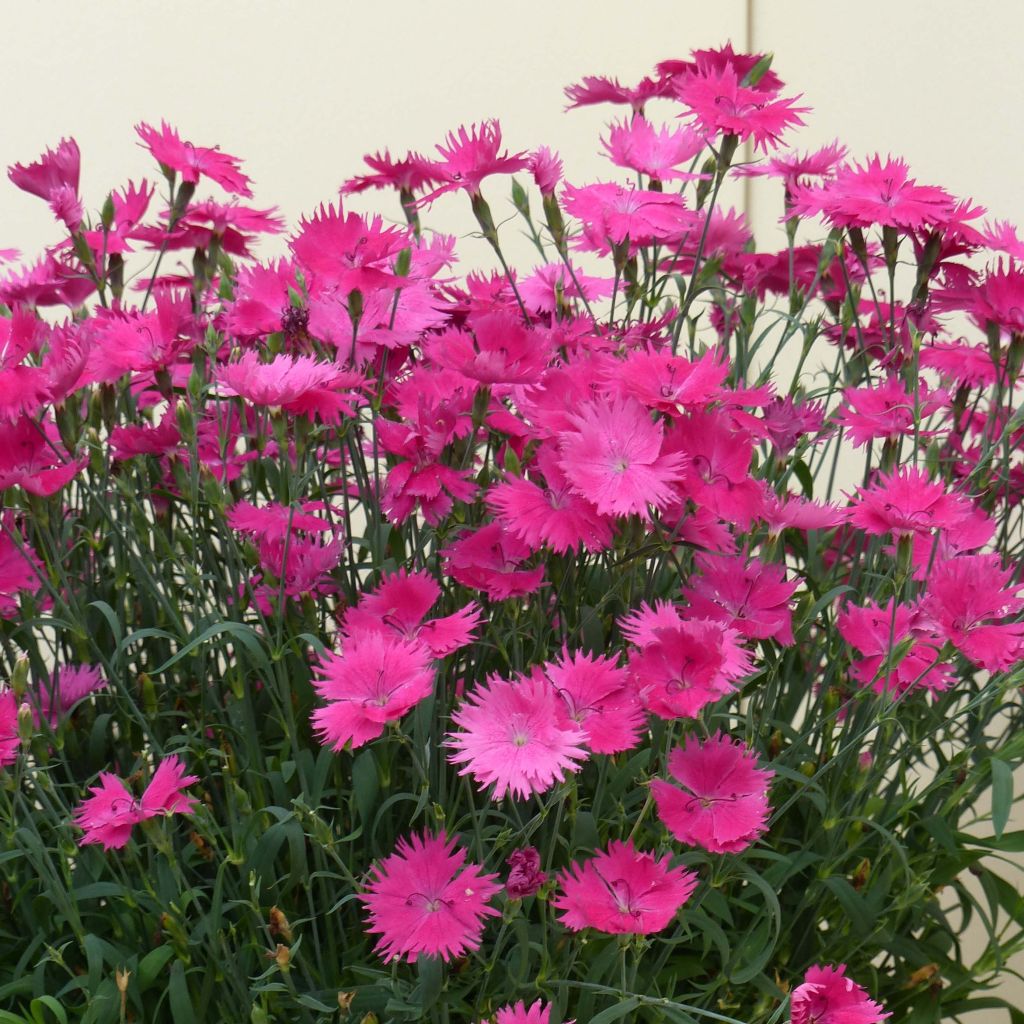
x=491, y=559
x=499, y=349
x=20, y=571
x=967, y=598
x=622, y=892
x=399, y=605
x=668, y=383
x=638, y=146
x=108, y=816
x=525, y=876
x=194, y=162
x=551, y=514
x=412, y=173
x=599, y=89
x=613, y=213
x=54, y=177
x=898, y=649
x=520, y=1013
x=875, y=193
x=299, y=385
x=721, y=802
x=599, y=697
x=749, y=596
x=375, y=680
x=886, y=411
x=827, y=996
x=720, y=103
x=906, y=503
x=794, y=168
x=470, y=156
x=613, y=457
x=424, y=900
x=64, y=689
x=9, y=740
x=516, y=735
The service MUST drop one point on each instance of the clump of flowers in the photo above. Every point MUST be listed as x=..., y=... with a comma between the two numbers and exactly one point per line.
x=630, y=631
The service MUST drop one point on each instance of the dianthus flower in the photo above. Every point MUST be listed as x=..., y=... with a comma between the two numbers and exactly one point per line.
x=719, y=102
x=399, y=605
x=54, y=177
x=516, y=734
x=467, y=157
x=9, y=740
x=520, y=1013
x=375, y=680
x=827, y=996
x=967, y=598
x=549, y=512
x=497, y=349
x=899, y=650
x=721, y=802
x=601, y=89
x=795, y=168
x=876, y=192
x=64, y=688
x=886, y=411
x=637, y=145
x=599, y=697
x=20, y=571
x=108, y=816
x=622, y=891
x=299, y=385
x=613, y=457
x=491, y=559
x=412, y=173
x=524, y=875
x=194, y=162
x=425, y=900
x=907, y=502
x=612, y=214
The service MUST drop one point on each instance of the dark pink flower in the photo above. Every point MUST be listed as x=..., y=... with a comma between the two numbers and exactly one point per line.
x=425, y=900
x=907, y=502
x=108, y=816
x=20, y=570
x=524, y=876
x=600, y=89
x=492, y=560
x=721, y=800
x=375, y=680
x=520, y=1013
x=193, y=162
x=885, y=411
x=410, y=174
x=498, y=348
x=516, y=735
x=827, y=996
x=65, y=687
x=622, y=891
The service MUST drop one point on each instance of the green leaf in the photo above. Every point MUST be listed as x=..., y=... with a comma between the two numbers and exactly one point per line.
x=182, y=1010
x=1002, y=795
x=616, y=1012
x=152, y=964
x=51, y=1004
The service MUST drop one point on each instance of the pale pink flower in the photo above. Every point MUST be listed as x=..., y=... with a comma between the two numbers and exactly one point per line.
x=516, y=735
x=425, y=900
x=622, y=891
x=827, y=996
x=721, y=802
x=613, y=457
x=108, y=816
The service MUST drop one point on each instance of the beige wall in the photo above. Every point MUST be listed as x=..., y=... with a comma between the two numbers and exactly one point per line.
x=302, y=90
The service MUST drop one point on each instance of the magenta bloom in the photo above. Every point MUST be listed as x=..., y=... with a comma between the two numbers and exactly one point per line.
x=906, y=503
x=516, y=734
x=637, y=145
x=194, y=162
x=622, y=892
x=613, y=458
x=875, y=193
x=499, y=350
x=827, y=996
x=467, y=157
x=424, y=900
x=299, y=385
x=524, y=876
x=399, y=605
x=64, y=689
x=375, y=680
x=54, y=177
x=719, y=103
x=108, y=816
x=600, y=89
x=721, y=802
x=520, y=1013
x=491, y=559
x=9, y=740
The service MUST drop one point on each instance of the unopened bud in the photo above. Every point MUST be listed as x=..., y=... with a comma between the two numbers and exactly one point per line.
x=19, y=677
x=279, y=925
x=26, y=723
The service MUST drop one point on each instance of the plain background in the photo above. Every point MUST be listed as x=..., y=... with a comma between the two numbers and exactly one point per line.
x=302, y=90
